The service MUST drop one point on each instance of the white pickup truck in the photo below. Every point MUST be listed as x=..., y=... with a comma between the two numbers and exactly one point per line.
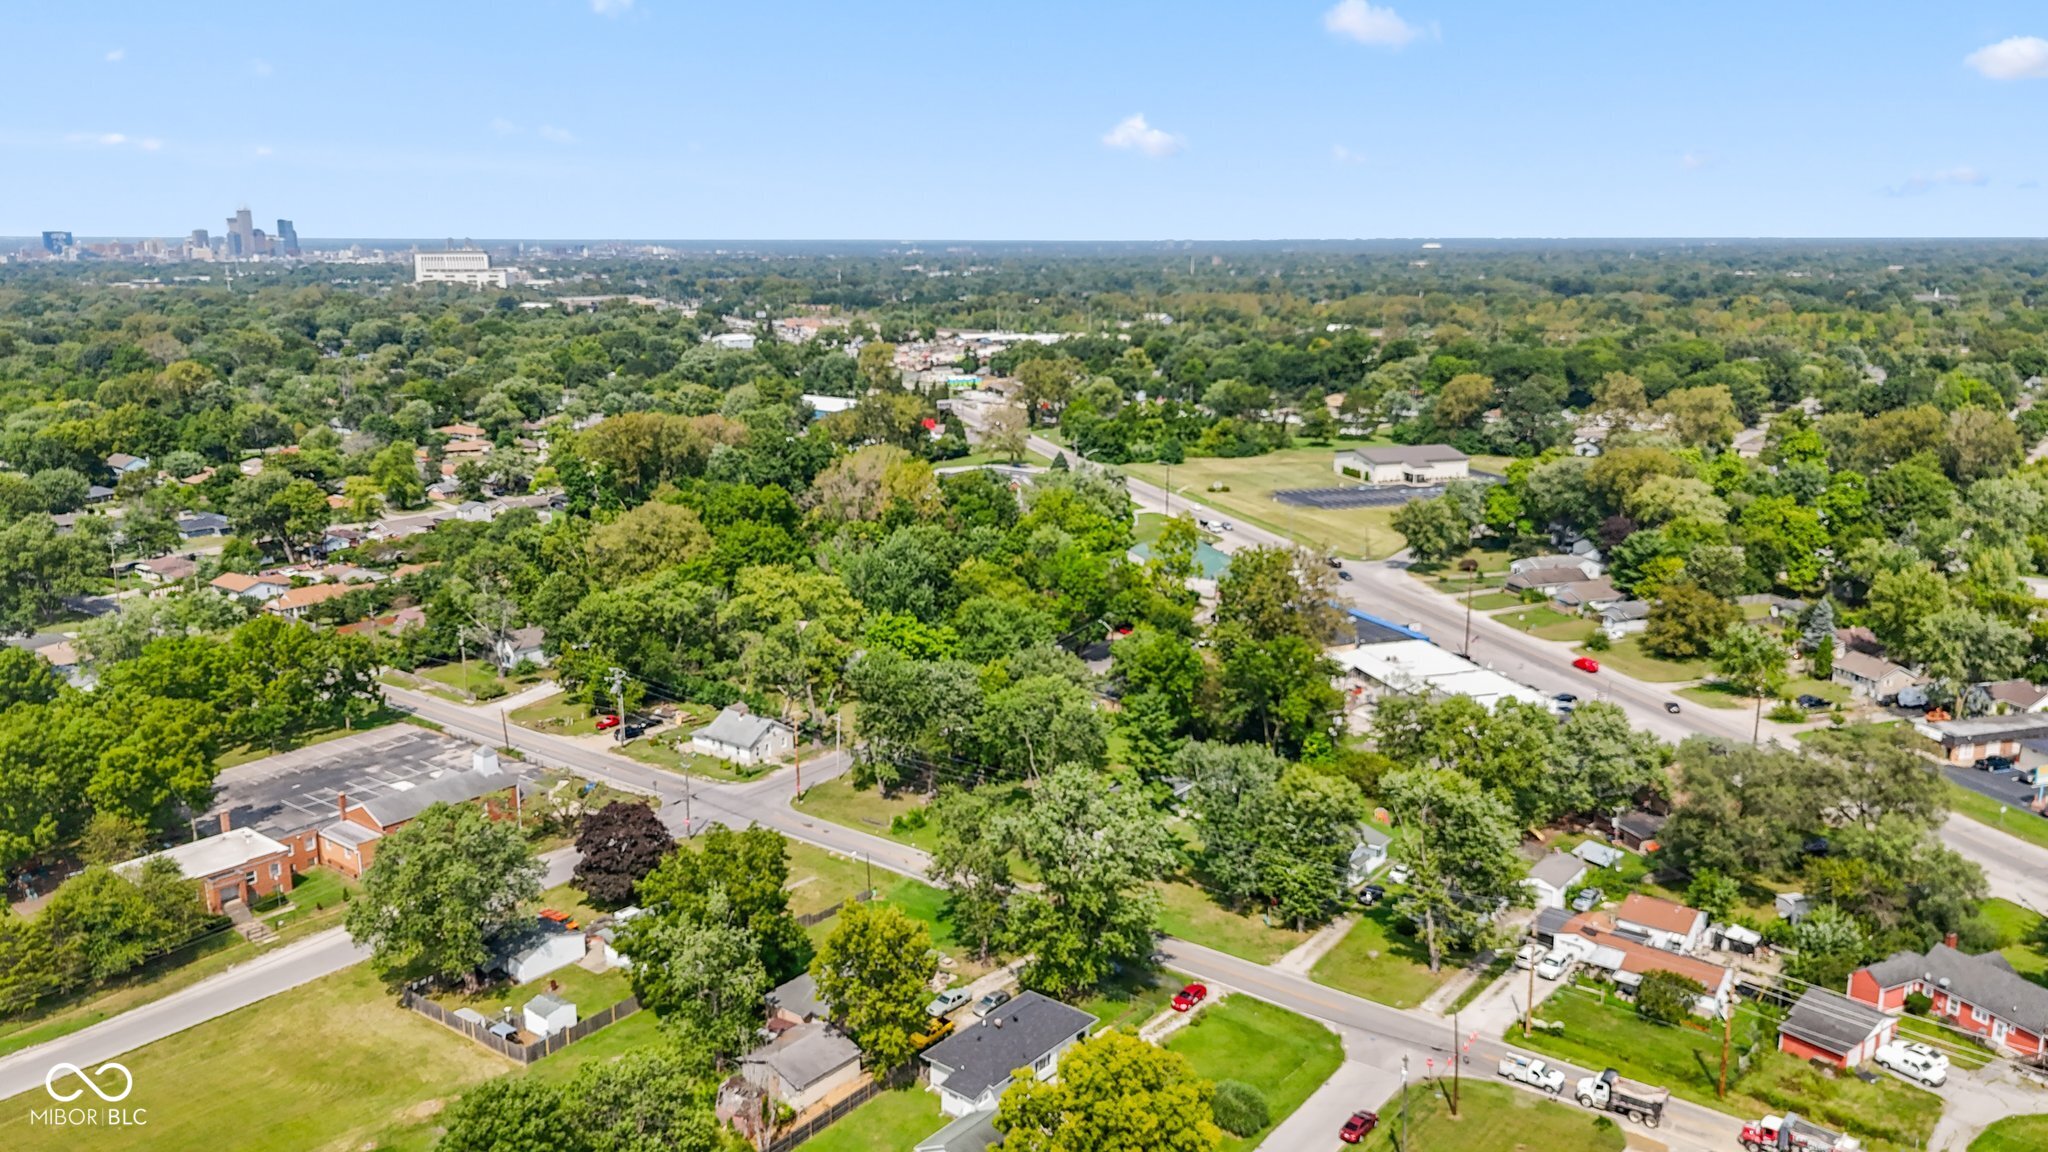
x=1534, y=1073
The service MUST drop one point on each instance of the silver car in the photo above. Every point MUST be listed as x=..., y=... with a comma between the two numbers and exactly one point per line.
x=947, y=1002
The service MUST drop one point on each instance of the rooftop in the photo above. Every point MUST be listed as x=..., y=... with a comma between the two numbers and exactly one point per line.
x=737, y=727
x=1558, y=869
x=1664, y=915
x=292, y=791
x=1012, y=1037
x=798, y=997
x=1832, y=1021
x=1409, y=454
x=229, y=851
x=805, y=1054
x=1864, y=666
x=1986, y=981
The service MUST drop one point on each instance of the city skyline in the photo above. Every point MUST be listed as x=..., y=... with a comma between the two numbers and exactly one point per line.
x=1345, y=119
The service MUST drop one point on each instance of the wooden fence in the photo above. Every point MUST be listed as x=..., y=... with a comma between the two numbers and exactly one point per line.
x=900, y=1078
x=819, y=917
x=524, y=1053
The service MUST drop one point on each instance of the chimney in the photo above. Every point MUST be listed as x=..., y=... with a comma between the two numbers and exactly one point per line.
x=341, y=804
x=1949, y=939
x=227, y=815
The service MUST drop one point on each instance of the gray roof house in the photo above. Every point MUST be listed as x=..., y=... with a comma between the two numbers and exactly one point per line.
x=803, y=1065
x=1872, y=676
x=795, y=1002
x=975, y=1132
x=970, y=1068
x=1552, y=876
x=1548, y=581
x=1831, y=1026
x=738, y=735
x=521, y=645
x=1980, y=993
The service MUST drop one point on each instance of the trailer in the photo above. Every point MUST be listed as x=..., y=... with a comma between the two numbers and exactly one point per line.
x=1791, y=1133
x=1609, y=1092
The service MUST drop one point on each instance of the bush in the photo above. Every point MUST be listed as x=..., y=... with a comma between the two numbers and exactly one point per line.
x=1598, y=642
x=1786, y=712
x=1919, y=1003
x=911, y=821
x=1667, y=996
x=490, y=691
x=1239, y=1108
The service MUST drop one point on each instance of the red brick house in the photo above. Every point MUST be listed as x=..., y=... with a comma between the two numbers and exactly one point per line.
x=350, y=843
x=1828, y=1026
x=236, y=866
x=1980, y=994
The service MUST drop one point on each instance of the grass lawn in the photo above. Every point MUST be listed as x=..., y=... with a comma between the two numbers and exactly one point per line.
x=600, y=1047
x=1193, y=915
x=1487, y=602
x=1252, y=480
x=206, y=957
x=2013, y=1134
x=1380, y=964
x=557, y=714
x=2022, y=937
x=1984, y=810
x=1716, y=694
x=1284, y=1056
x=891, y=1122
x=244, y=753
x=591, y=992
x=1888, y=1114
x=334, y=1063
x=1494, y=1118
x=1627, y=657
x=1827, y=690
x=475, y=679
x=1530, y=617
x=1132, y=996
x=570, y=899
x=867, y=810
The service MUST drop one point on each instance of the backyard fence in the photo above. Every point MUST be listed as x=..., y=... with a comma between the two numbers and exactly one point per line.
x=819, y=917
x=901, y=1078
x=524, y=1053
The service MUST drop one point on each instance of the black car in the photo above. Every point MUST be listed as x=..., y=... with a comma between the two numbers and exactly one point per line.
x=1565, y=698
x=634, y=730
x=1371, y=894
x=1343, y=573
x=1813, y=703
x=1994, y=764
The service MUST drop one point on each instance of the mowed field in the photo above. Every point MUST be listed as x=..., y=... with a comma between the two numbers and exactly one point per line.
x=1360, y=533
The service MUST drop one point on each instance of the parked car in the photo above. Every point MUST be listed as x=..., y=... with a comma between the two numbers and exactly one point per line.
x=1186, y=999
x=607, y=721
x=1586, y=664
x=634, y=731
x=1671, y=706
x=1343, y=573
x=1358, y=1127
x=1565, y=698
x=947, y=1002
x=1534, y=1073
x=1371, y=894
x=936, y=1031
x=1587, y=899
x=1914, y=1062
x=1398, y=874
x=1528, y=955
x=1552, y=966
x=1333, y=562
x=1812, y=703
x=1994, y=763
x=991, y=1002
x=2029, y=776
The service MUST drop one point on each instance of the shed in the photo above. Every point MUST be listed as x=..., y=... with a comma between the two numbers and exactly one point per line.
x=547, y=1015
x=1553, y=876
x=531, y=952
x=1825, y=1025
x=1599, y=855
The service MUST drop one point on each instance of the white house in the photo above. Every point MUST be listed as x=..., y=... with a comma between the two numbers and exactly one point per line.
x=1589, y=566
x=1660, y=923
x=547, y=1015
x=1403, y=464
x=741, y=737
x=1625, y=618
x=733, y=341
x=971, y=1068
x=1367, y=857
x=521, y=645
x=534, y=951
x=258, y=588
x=1871, y=676
x=1553, y=876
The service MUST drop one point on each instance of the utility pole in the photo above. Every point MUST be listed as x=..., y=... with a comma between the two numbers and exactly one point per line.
x=1471, y=578
x=505, y=721
x=1727, y=1037
x=1457, y=1065
x=689, y=824
x=1529, y=1005
x=618, y=676
x=869, y=857
x=1402, y=1143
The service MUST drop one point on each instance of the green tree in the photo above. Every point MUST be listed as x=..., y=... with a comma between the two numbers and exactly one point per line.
x=1096, y=853
x=1115, y=1093
x=443, y=885
x=1434, y=529
x=699, y=969
x=646, y=540
x=1667, y=997
x=1686, y=622
x=1753, y=661
x=748, y=869
x=509, y=1114
x=1461, y=853
x=1830, y=944
x=875, y=971
x=1713, y=893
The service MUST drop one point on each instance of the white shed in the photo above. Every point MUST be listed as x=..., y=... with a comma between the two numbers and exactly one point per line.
x=547, y=1015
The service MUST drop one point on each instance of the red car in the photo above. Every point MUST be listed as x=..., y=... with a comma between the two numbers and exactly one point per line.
x=1586, y=664
x=608, y=720
x=1186, y=999
x=1358, y=1127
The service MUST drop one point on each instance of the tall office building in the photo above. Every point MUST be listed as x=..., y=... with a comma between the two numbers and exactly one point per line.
x=56, y=242
x=287, y=238
x=241, y=235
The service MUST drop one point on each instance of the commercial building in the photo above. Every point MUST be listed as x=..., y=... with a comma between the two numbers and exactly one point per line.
x=1418, y=666
x=1403, y=464
x=235, y=866
x=468, y=266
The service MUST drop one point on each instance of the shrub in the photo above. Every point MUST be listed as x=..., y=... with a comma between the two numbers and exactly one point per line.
x=490, y=691
x=1667, y=996
x=1239, y=1108
x=909, y=821
x=1786, y=712
x=1598, y=642
x=1919, y=1003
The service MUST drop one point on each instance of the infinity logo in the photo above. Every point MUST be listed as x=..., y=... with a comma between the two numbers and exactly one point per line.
x=66, y=1068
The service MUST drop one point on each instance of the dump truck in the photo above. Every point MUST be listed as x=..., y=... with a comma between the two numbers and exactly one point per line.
x=1610, y=1092
x=1791, y=1133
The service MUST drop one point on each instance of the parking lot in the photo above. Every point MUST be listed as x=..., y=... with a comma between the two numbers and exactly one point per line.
x=293, y=790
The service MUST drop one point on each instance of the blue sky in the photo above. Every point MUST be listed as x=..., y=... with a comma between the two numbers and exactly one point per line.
x=897, y=119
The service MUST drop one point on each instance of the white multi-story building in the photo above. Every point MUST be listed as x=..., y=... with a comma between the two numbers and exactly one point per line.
x=466, y=267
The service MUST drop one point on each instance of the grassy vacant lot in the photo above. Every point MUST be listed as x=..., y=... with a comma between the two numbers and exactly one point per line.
x=891, y=1122
x=2022, y=937
x=1378, y=963
x=1285, y=1056
x=1495, y=1118
x=1984, y=810
x=315, y=904
x=1132, y=997
x=590, y=992
x=1627, y=657
x=1252, y=480
x=331, y=1064
x=2014, y=1134
x=557, y=714
x=670, y=751
x=1192, y=914
x=868, y=810
x=1489, y=601
x=1547, y=623
x=1886, y=1115
x=476, y=680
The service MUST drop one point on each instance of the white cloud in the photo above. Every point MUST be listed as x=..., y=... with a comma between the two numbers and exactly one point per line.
x=1343, y=155
x=1134, y=135
x=1367, y=24
x=610, y=7
x=2014, y=58
x=1962, y=177
x=504, y=127
x=1693, y=161
x=555, y=135
x=115, y=140
x=117, y=55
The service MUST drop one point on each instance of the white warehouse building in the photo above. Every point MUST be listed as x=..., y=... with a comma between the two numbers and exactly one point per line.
x=469, y=267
